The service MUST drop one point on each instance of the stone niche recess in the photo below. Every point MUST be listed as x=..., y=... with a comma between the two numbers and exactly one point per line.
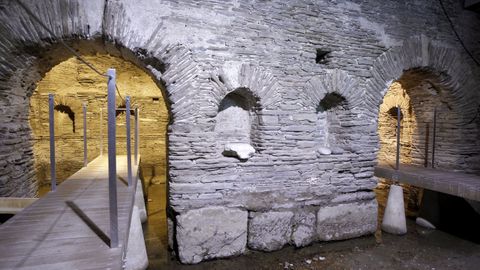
x=332, y=114
x=236, y=124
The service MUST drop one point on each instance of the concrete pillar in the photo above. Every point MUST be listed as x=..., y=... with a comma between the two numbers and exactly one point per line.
x=394, y=218
x=136, y=258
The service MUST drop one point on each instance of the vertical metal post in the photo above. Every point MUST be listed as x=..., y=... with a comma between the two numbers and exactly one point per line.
x=51, y=119
x=434, y=135
x=427, y=138
x=129, y=147
x=136, y=137
x=112, y=160
x=101, y=131
x=399, y=112
x=85, y=151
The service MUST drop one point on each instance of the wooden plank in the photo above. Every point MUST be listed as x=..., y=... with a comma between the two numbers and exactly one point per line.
x=50, y=234
x=454, y=183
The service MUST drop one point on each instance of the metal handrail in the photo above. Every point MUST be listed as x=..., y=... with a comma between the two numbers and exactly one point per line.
x=397, y=160
x=112, y=167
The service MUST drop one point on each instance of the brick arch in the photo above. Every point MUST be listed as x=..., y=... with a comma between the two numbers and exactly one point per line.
x=74, y=104
x=457, y=85
x=262, y=84
x=333, y=81
x=452, y=73
x=28, y=52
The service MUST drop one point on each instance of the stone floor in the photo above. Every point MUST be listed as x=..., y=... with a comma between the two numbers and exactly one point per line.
x=419, y=249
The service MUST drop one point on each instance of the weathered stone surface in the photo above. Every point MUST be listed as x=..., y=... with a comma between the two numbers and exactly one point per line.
x=324, y=150
x=347, y=220
x=304, y=227
x=240, y=150
x=270, y=230
x=273, y=58
x=211, y=232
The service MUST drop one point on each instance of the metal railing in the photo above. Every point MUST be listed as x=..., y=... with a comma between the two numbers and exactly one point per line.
x=427, y=137
x=112, y=161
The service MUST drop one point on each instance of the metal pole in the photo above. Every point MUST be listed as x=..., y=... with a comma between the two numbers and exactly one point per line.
x=101, y=131
x=399, y=112
x=136, y=137
x=434, y=135
x=427, y=137
x=51, y=119
x=129, y=149
x=112, y=161
x=85, y=151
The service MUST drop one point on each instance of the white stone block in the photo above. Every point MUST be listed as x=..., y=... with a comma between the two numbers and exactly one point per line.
x=240, y=150
x=269, y=231
x=347, y=220
x=304, y=230
x=211, y=232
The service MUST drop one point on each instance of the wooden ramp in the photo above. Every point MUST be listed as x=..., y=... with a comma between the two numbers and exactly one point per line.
x=69, y=228
x=454, y=183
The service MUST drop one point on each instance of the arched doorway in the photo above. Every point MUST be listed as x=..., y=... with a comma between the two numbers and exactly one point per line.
x=73, y=85
x=420, y=82
x=419, y=94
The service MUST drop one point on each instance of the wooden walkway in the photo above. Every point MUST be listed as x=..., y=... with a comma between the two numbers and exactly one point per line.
x=454, y=183
x=52, y=232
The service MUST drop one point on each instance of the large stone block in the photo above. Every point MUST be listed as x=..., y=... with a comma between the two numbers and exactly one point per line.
x=304, y=230
x=347, y=220
x=211, y=232
x=269, y=231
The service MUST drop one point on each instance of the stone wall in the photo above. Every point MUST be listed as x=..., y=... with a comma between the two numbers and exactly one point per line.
x=299, y=186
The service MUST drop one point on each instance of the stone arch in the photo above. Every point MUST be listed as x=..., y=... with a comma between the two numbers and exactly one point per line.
x=69, y=106
x=334, y=98
x=29, y=52
x=419, y=52
x=387, y=124
x=333, y=81
x=65, y=109
x=260, y=82
x=453, y=86
x=257, y=84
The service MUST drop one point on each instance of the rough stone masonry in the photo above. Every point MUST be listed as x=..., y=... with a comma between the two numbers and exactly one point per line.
x=300, y=82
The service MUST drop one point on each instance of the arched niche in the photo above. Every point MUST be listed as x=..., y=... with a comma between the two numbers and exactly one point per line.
x=333, y=116
x=237, y=120
x=396, y=96
x=335, y=99
x=62, y=124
